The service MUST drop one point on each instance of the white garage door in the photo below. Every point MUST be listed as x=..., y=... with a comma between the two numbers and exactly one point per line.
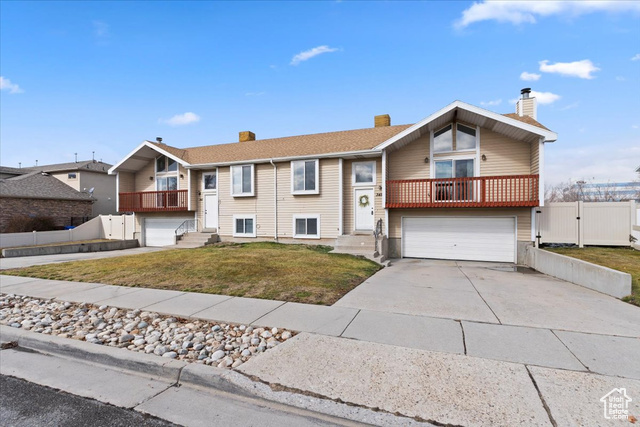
x=161, y=231
x=463, y=238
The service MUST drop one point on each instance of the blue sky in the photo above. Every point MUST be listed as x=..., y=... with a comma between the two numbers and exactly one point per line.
x=103, y=76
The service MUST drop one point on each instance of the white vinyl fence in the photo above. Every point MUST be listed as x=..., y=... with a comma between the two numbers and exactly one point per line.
x=113, y=227
x=587, y=223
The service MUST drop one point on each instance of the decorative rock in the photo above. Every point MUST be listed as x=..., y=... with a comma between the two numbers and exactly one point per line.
x=125, y=338
x=285, y=335
x=217, y=355
x=160, y=350
x=170, y=354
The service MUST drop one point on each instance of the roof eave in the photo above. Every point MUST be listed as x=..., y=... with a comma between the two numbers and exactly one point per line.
x=113, y=170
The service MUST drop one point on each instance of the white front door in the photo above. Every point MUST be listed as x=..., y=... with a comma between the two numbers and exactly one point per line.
x=364, y=209
x=210, y=211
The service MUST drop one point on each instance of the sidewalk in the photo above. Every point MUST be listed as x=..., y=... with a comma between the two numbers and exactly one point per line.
x=443, y=370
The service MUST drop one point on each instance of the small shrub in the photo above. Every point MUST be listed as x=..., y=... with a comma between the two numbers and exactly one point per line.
x=20, y=224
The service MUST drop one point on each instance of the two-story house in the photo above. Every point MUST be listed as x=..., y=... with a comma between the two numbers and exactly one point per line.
x=461, y=184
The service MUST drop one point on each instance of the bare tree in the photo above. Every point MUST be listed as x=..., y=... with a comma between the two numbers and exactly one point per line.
x=587, y=192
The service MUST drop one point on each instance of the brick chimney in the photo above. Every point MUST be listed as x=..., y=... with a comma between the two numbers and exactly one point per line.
x=247, y=136
x=382, y=121
x=527, y=106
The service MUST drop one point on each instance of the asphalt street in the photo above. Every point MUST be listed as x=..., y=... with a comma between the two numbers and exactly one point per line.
x=23, y=404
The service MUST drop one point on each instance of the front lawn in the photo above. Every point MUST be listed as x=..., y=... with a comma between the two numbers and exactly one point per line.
x=622, y=259
x=298, y=273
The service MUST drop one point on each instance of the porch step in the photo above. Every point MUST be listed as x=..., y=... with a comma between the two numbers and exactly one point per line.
x=196, y=240
x=363, y=241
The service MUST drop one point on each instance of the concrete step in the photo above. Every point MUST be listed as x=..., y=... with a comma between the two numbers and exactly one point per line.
x=355, y=240
x=196, y=240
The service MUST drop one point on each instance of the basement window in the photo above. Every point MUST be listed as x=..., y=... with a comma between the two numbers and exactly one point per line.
x=306, y=226
x=244, y=226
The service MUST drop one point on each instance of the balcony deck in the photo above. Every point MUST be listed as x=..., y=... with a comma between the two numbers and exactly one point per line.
x=154, y=201
x=473, y=192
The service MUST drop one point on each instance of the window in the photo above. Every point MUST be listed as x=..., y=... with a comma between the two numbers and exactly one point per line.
x=304, y=177
x=209, y=181
x=364, y=173
x=242, y=180
x=244, y=226
x=443, y=140
x=166, y=164
x=166, y=174
x=465, y=138
x=306, y=226
x=454, y=190
x=72, y=175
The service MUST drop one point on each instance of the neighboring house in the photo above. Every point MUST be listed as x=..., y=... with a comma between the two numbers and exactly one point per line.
x=89, y=176
x=35, y=194
x=610, y=191
x=461, y=184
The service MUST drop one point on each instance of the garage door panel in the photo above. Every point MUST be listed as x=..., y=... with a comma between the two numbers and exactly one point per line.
x=161, y=231
x=462, y=238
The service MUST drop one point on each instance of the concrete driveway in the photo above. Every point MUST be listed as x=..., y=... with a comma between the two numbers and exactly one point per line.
x=492, y=293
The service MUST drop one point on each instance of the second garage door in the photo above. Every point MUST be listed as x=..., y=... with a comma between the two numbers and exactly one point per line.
x=461, y=238
x=161, y=231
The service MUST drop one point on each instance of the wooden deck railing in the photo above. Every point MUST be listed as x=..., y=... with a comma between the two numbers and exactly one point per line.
x=154, y=201
x=474, y=192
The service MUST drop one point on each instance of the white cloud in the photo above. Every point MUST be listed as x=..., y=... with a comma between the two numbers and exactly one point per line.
x=181, y=119
x=545, y=97
x=101, y=29
x=582, y=69
x=570, y=106
x=529, y=77
x=620, y=78
x=526, y=12
x=308, y=54
x=5, y=84
x=636, y=57
x=491, y=103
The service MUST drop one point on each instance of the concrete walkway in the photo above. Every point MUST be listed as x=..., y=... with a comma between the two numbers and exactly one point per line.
x=604, y=354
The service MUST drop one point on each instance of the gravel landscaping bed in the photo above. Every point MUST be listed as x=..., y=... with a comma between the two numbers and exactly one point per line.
x=217, y=344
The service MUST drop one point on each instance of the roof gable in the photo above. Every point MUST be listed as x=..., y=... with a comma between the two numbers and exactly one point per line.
x=144, y=153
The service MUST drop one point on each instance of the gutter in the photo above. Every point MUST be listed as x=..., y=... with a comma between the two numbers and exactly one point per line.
x=275, y=200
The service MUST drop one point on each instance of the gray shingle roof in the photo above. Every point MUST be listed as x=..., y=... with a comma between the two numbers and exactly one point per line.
x=36, y=185
x=91, y=165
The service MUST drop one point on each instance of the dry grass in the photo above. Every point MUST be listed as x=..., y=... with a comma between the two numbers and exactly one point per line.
x=298, y=273
x=622, y=259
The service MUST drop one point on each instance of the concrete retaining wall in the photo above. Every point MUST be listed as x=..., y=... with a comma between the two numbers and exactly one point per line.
x=596, y=277
x=70, y=249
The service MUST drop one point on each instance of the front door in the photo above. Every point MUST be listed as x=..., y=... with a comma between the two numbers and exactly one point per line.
x=210, y=211
x=364, y=209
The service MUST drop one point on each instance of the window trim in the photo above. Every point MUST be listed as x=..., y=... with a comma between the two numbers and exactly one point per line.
x=317, y=169
x=245, y=216
x=363, y=184
x=253, y=178
x=207, y=190
x=306, y=236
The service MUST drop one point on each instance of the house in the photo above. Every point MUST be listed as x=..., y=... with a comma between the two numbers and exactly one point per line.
x=34, y=194
x=461, y=184
x=88, y=176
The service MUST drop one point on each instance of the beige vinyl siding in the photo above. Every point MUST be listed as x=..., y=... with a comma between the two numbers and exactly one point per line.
x=143, y=183
x=324, y=204
x=195, y=186
x=409, y=161
x=505, y=156
x=523, y=217
x=348, y=191
x=126, y=181
x=535, y=158
x=64, y=177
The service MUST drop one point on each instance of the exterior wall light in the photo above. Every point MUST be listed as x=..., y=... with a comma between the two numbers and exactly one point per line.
x=484, y=157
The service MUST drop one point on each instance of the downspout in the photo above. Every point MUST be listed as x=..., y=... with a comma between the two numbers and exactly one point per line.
x=275, y=199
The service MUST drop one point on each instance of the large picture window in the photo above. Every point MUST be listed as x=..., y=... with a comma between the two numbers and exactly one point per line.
x=242, y=180
x=454, y=189
x=306, y=226
x=304, y=177
x=443, y=140
x=465, y=138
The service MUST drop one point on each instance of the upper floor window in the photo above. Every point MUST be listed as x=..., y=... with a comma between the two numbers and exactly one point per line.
x=166, y=174
x=242, y=180
x=465, y=138
x=209, y=181
x=443, y=140
x=304, y=177
x=364, y=173
x=72, y=175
